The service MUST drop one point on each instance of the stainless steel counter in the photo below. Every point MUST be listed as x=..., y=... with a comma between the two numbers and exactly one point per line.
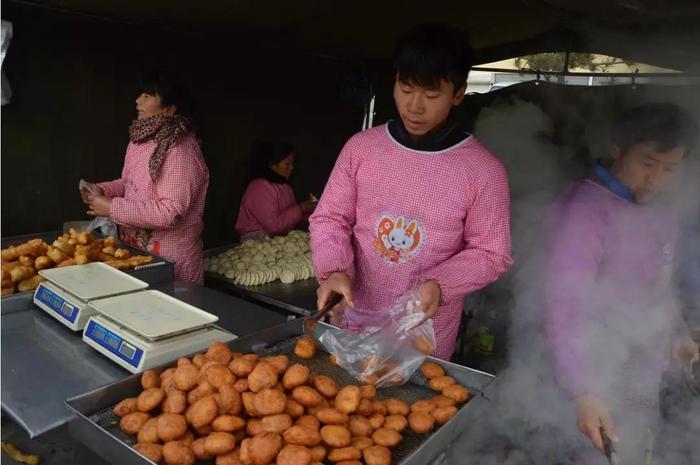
x=43, y=362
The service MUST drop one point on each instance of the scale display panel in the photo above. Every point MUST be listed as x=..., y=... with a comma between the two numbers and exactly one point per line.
x=56, y=303
x=114, y=343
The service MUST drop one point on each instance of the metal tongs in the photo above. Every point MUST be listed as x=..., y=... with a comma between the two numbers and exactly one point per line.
x=609, y=448
x=311, y=320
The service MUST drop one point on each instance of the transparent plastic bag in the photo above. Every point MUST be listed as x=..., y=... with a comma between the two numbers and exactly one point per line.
x=101, y=223
x=383, y=347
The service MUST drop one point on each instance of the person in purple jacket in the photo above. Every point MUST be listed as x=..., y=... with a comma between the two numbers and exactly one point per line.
x=611, y=320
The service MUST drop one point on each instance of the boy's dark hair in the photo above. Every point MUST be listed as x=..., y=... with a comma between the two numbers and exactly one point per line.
x=665, y=124
x=429, y=53
x=170, y=88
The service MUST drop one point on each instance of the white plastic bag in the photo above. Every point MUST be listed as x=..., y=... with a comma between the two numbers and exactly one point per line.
x=101, y=223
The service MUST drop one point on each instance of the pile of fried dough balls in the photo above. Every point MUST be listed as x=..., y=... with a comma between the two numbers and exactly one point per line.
x=245, y=409
x=21, y=264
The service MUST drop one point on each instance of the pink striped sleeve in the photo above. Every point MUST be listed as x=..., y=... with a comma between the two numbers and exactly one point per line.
x=487, y=237
x=178, y=184
x=263, y=205
x=112, y=188
x=332, y=222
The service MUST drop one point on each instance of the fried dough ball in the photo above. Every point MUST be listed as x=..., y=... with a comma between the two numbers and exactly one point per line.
x=150, y=399
x=379, y=406
x=254, y=427
x=314, y=410
x=305, y=347
x=318, y=453
x=203, y=430
x=228, y=423
x=307, y=396
x=396, y=422
x=149, y=432
x=203, y=390
x=456, y=392
x=431, y=370
x=182, y=361
x=423, y=345
x=175, y=402
x=230, y=399
x=442, y=401
x=309, y=421
x=276, y=423
x=376, y=420
x=232, y=458
x=386, y=437
x=325, y=385
x=264, y=448
x=125, y=407
x=171, y=426
x=219, y=443
x=241, y=385
x=330, y=416
x=361, y=442
x=248, y=405
x=219, y=352
x=294, y=408
x=132, y=423
x=241, y=367
x=368, y=391
x=364, y=408
x=292, y=454
x=443, y=414
x=441, y=382
x=150, y=379
x=269, y=402
x=296, y=375
x=252, y=357
x=218, y=375
x=333, y=359
x=200, y=452
x=376, y=455
x=177, y=453
x=344, y=454
x=263, y=376
x=302, y=436
x=335, y=435
x=424, y=406
x=244, y=452
x=397, y=407
x=348, y=399
x=421, y=422
x=203, y=412
x=278, y=362
x=360, y=426
x=186, y=377
x=153, y=452
x=199, y=360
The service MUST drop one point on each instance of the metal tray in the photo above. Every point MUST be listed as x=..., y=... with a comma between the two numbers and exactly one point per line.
x=160, y=270
x=298, y=298
x=97, y=427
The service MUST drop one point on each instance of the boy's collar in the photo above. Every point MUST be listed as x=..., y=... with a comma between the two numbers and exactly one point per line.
x=603, y=176
x=443, y=137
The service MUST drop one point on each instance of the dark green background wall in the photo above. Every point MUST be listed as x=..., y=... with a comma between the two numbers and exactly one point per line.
x=74, y=83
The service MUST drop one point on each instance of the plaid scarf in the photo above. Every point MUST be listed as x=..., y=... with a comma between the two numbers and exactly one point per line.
x=166, y=132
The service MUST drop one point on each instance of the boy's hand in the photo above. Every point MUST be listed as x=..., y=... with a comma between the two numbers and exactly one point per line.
x=593, y=415
x=430, y=295
x=686, y=351
x=338, y=283
x=99, y=205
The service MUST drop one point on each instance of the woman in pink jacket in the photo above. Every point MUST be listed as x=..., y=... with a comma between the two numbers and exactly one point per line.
x=268, y=207
x=158, y=202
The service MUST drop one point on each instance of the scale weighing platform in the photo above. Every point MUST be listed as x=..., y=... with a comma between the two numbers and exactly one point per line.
x=146, y=329
x=67, y=292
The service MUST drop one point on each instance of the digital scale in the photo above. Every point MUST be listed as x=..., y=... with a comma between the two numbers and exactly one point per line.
x=145, y=329
x=67, y=292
